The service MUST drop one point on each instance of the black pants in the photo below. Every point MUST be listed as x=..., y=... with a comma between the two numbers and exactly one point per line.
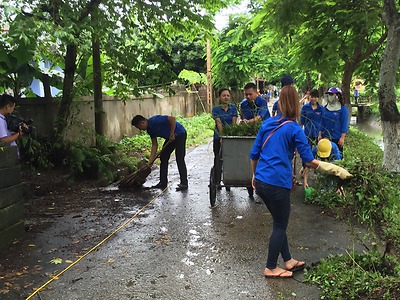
x=216, y=149
x=277, y=200
x=179, y=145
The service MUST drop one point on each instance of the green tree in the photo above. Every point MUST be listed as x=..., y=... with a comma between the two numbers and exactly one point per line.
x=331, y=37
x=17, y=56
x=235, y=60
x=184, y=54
x=68, y=26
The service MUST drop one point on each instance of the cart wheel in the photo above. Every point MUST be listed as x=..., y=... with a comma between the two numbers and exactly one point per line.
x=212, y=188
x=250, y=191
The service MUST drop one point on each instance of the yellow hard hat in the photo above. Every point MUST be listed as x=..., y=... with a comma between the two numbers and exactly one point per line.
x=324, y=148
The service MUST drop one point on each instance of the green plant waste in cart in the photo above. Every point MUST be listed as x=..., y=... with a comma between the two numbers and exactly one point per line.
x=232, y=167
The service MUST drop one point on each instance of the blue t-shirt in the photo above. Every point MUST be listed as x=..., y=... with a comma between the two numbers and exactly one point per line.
x=225, y=116
x=274, y=165
x=275, y=107
x=335, y=153
x=334, y=123
x=158, y=126
x=311, y=119
x=258, y=107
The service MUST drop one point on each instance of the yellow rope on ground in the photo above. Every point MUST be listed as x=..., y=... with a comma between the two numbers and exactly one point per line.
x=95, y=247
x=99, y=244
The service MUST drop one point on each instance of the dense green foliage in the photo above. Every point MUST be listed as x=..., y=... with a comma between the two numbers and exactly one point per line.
x=364, y=193
x=242, y=129
x=371, y=198
x=320, y=43
x=357, y=276
x=142, y=43
x=198, y=128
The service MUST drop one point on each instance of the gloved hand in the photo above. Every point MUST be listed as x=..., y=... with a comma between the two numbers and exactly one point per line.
x=332, y=169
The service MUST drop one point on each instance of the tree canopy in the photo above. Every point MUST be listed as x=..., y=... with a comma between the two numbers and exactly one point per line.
x=128, y=32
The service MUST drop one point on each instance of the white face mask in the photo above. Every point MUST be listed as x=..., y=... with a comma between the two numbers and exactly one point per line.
x=332, y=98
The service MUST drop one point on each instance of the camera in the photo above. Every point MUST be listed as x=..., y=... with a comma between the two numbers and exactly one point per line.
x=14, y=122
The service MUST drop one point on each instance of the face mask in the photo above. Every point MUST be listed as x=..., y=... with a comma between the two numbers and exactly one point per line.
x=332, y=98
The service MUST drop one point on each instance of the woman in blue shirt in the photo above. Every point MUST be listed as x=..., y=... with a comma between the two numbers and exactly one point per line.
x=310, y=118
x=223, y=114
x=335, y=118
x=271, y=162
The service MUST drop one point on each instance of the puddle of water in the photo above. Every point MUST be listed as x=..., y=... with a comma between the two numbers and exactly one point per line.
x=371, y=128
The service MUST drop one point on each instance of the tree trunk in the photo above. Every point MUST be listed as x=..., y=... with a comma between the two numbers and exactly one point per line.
x=97, y=86
x=390, y=116
x=46, y=86
x=352, y=62
x=346, y=81
x=66, y=101
x=309, y=81
x=349, y=69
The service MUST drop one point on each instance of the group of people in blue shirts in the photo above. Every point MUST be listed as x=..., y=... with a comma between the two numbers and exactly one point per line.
x=274, y=148
x=330, y=121
x=271, y=155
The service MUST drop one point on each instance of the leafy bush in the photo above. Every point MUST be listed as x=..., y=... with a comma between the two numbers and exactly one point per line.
x=34, y=153
x=198, y=128
x=370, y=197
x=242, y=129
x=356, y=276
x=365, y=195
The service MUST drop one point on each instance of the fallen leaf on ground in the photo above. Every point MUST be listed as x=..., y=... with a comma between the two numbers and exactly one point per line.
x=56, y=261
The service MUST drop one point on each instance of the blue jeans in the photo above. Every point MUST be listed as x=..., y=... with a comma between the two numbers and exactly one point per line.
x=277, y=200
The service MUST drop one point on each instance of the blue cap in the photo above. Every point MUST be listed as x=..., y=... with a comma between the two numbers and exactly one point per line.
x=286, y=80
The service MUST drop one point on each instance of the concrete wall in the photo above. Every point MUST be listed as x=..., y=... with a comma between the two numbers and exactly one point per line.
x=11, y=197
x=118, y=114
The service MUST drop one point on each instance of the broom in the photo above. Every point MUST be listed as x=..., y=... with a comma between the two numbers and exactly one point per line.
x=137, y=178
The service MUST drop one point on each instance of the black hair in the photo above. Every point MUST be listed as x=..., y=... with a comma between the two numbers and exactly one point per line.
x=314, y=93
x=6, y=99
x=221, y=90
x=250, y=85
x=137, y=119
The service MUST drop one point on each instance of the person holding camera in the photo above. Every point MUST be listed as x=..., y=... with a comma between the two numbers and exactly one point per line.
x=7, y=105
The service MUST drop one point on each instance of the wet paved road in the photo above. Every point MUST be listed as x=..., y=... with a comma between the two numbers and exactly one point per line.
x=180, y=248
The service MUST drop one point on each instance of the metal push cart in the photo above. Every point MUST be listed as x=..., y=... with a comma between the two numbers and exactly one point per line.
x=232, y=167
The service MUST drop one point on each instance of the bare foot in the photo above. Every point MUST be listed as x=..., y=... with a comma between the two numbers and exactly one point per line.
x=277, y=273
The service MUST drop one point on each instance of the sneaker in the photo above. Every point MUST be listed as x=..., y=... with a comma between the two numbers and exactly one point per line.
x=159, y=185
x=182, y=187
